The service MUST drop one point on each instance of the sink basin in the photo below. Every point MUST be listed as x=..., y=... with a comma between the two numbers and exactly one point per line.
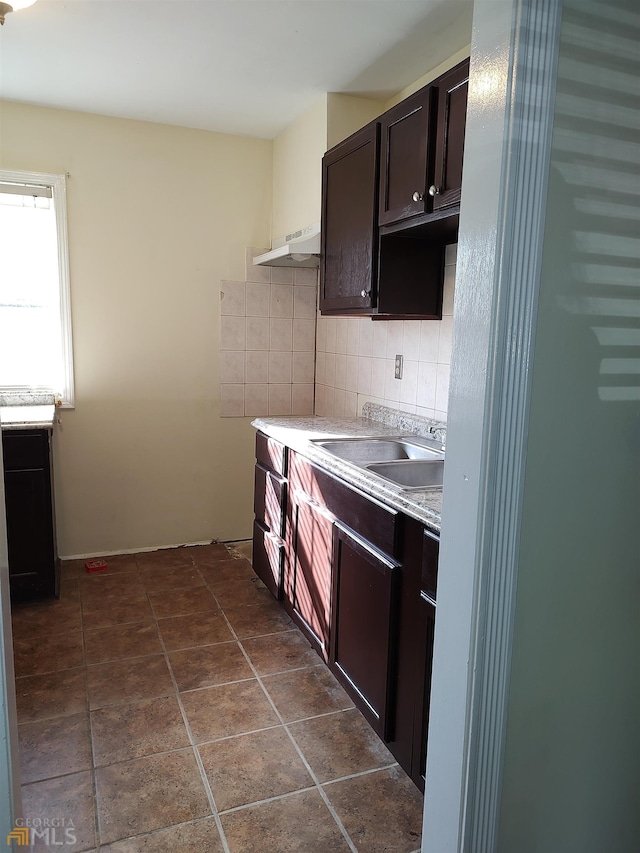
x=411, y=474
x=364, y=450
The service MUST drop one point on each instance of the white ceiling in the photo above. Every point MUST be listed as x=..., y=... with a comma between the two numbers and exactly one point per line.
x=237, y=66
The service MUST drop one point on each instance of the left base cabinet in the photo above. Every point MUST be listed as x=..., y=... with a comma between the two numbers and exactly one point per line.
x=34, y=567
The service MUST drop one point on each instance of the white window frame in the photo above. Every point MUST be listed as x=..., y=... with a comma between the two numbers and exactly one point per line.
x=66, y=398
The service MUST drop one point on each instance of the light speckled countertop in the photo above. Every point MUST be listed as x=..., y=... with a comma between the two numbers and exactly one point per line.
x=297, y=433
x=27, y=417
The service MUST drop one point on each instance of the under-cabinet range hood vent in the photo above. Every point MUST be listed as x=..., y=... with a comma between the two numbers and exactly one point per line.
x=299, y=249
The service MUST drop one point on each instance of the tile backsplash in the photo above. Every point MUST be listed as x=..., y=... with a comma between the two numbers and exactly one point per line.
x=267, y=341
x=355, y=360
x=280, y=357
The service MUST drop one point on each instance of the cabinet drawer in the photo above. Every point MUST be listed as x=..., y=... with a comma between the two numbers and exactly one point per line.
x=25, y=450
x=430, y=551
x=372, y=521
x=271, y=454
x=268, y=500
x=268, y=559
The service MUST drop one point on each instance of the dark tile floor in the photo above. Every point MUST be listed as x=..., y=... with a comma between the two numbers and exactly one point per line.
x=169, y=705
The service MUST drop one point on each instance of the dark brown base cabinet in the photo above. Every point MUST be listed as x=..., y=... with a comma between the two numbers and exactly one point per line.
x=353, y=574
x=34, y=568
x=363, y=628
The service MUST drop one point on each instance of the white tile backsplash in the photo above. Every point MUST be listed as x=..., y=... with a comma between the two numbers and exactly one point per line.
x=267, y=341
x=232, y=333
x=305, y=276
x=257, y=333
x=442, y=387
x=257, y=299
x=304, y=335
x=429, y=340
x=280, y=368
x=303, y=363
x=411, y=340
x=365, y=371
x=301, y=398
x=304, y=303
x=256, y=366
x=281, y=275
x=256, y=399
x=281, y=300
x=279, y=357
x=232, y=367
x=280, y=334
x=232, y=298
x=280, y=399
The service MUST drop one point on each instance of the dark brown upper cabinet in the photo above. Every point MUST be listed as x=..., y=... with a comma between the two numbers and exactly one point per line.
x=348, y=270
x=390, y=204
x=406, y=157
x=451, y=89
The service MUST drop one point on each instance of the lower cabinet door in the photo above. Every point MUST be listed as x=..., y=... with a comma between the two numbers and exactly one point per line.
x=30, y=537
x=268, y=559
x=363, y=636
x=308, y=581
x=427, y=622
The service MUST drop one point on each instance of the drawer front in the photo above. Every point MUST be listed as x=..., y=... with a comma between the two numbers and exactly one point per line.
x=269, y=499
x=430, y=551
x=268, y=559
x=271, y=454
x=25, y=450
x=372, y=521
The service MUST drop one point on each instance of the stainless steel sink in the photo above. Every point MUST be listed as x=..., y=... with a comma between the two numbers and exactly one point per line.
x=411, y=474
x=364, y=450
x=409, y=462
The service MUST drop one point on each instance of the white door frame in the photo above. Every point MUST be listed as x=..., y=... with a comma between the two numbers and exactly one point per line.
x=507, y=156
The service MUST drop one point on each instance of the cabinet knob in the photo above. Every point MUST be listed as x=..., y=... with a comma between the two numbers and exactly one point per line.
x=365, y=293
x=418, y=196
x=433, y=190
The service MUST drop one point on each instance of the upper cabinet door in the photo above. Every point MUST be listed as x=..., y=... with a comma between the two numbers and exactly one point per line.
x=452, y=91
x=406, y=158
x=349, y=223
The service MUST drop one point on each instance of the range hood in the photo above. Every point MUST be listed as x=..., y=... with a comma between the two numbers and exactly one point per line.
x=299, y=249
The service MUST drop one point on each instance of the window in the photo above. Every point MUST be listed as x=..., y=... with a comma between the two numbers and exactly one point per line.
x=36, y=361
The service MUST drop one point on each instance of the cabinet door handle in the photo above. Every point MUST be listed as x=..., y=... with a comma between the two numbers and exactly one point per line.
x=365, y=293
x=418, y=196
x=433, y=190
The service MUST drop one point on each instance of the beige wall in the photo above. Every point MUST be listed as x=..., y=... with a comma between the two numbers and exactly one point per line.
x=346, y=114
x=297, y=176
x=158, y=216
x=430, y=75
x=298, y=152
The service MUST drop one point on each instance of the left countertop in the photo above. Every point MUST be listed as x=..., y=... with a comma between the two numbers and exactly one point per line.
x=27, y=417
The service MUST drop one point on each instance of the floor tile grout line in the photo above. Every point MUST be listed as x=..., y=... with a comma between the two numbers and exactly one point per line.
x=94, y=780
x=194, y=747
x=360, y=773
x=307, y=766
x=286, y=796
x=143, y=835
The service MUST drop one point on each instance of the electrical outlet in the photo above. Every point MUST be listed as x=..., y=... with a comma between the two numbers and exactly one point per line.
x=398, y=373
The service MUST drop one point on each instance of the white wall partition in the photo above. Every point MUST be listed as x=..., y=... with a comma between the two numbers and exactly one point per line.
x=532, y=741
